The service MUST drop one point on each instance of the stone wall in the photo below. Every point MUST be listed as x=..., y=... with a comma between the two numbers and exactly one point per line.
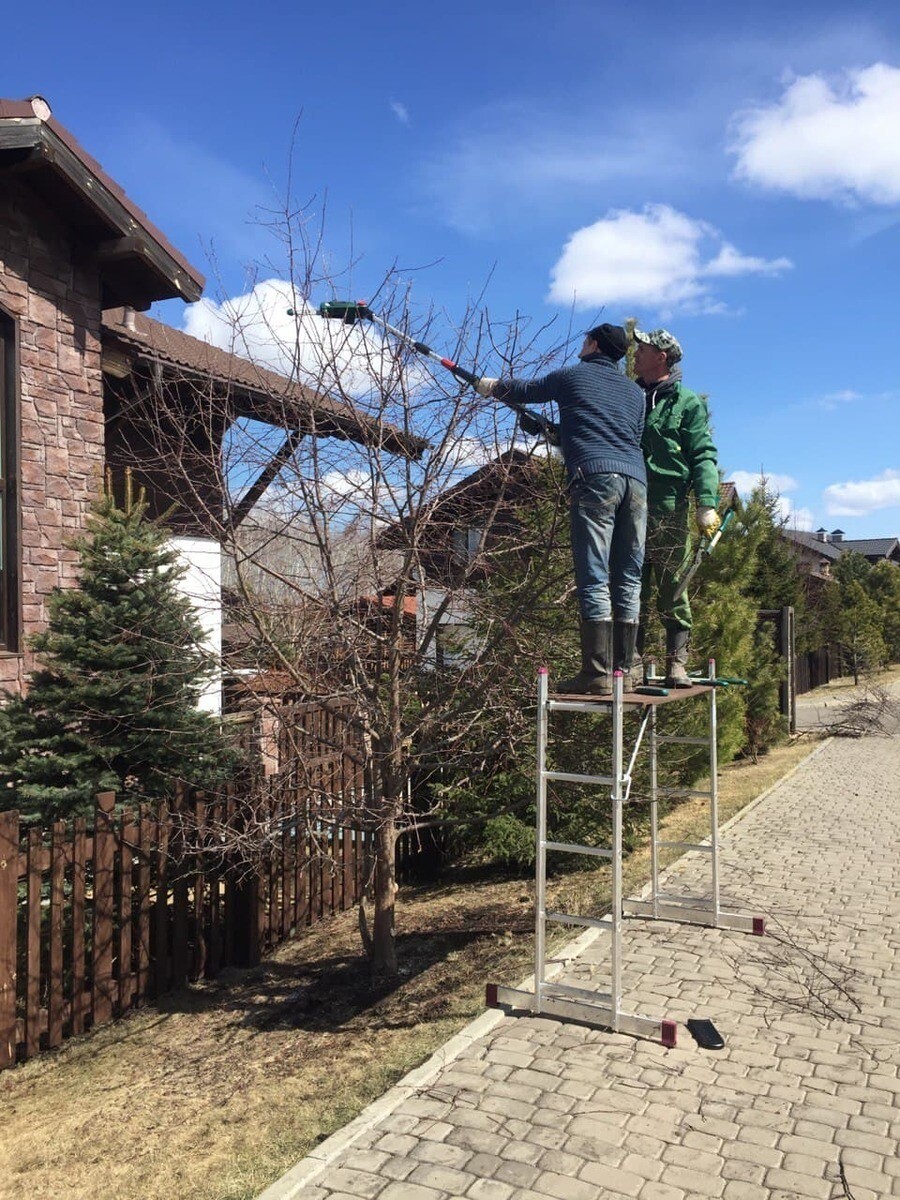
x=53, y=293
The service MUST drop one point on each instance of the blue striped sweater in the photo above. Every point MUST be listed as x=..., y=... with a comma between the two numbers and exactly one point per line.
x=601, y=415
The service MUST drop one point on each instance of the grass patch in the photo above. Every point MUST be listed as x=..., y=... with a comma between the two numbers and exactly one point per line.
x=214, y=1094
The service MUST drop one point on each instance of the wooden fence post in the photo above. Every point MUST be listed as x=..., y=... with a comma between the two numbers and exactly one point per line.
x=79, y=888
x=103, y=907
x=198, y=919
x=128, y=840
x=179, y=857
x=33, y=943
x=161, y=909
x=57, y=900
x=9, y=886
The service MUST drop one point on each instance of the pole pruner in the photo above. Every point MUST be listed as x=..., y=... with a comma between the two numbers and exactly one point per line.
x=351, y=311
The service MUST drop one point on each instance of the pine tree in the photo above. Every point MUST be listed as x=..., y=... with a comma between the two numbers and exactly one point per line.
x=883, y=585
x=114, y=705
x=860, y=629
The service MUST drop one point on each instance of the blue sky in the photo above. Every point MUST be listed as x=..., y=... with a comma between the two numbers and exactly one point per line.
x=731, y=172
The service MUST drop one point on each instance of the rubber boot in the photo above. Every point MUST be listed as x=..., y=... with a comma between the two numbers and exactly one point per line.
x=638, y=670
x=595, y=677
x=625, y=635
x=677, y=657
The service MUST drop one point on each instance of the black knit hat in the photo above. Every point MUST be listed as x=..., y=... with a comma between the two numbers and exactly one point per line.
x=611, y=340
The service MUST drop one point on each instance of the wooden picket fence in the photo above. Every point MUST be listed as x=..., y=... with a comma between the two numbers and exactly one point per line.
x=96, y=918
x=100, y=915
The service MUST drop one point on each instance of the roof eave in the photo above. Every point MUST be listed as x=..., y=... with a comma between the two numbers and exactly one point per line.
x=260, y=404
x=162, y=275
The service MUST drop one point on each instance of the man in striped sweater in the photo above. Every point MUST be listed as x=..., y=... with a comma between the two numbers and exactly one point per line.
x=601, y=419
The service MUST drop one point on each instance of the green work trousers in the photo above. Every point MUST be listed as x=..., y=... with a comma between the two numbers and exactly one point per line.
x=666, y=557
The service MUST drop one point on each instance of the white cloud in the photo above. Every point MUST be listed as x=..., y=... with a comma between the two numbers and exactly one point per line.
x=791, y=517
x=658, y=258
x=859, y=498
x=400, y=111
x=355, y=485
x=325, y=355
x=834, y=400
x=746, y=481
x=785, y=510
x=826, y=139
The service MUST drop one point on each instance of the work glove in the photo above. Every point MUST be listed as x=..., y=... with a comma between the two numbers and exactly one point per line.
x=708, y=521
x=485, y=387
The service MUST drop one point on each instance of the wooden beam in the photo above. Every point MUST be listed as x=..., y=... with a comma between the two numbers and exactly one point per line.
x=276, y=462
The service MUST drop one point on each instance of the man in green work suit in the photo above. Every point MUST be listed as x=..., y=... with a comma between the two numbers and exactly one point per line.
x=680, y=456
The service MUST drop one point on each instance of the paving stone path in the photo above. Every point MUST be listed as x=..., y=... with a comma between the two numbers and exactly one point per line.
x=804, y=1101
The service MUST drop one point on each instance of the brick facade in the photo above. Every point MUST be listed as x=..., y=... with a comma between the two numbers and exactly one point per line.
x=51, y=288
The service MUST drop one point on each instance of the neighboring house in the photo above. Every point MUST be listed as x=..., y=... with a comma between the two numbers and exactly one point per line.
x=450, y=537
x=817, y=552
x=464, y=527
x=81, y=372
x=278, y=579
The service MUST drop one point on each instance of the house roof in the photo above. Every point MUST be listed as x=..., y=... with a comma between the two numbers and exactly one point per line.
x=888, y=547
x=138, y=263
x=873, y=548
x=728, y=493
x=810, y=541
x=410, y=603
x=256, y=392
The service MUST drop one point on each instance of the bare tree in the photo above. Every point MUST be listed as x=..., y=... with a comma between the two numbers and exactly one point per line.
x=359, y=499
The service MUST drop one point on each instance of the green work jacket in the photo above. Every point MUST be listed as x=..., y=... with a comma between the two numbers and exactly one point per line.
x=679, y=451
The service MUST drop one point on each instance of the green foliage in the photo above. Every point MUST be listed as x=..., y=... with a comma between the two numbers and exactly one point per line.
x=851, y=567
x=509, y=840
x=860, y=628
x=883, y=586
x=861, y=611
x=113, y=707
x=775, y=581
x=764, y=722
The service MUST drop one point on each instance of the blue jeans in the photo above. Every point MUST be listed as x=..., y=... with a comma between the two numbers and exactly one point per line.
x=609, y=526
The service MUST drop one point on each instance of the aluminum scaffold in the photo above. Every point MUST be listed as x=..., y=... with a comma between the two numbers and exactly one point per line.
x=605, y=1008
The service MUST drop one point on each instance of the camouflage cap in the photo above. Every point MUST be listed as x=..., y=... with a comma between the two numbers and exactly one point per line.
x=661, y=339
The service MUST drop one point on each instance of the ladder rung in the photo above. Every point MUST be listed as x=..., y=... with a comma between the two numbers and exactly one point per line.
x=685, y=846
x=565, y=989
x=567, y=777
x=682, y=741
x=571, y=848
x=586, y=922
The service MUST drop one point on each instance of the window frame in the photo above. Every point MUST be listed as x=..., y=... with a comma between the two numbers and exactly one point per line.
x=10, y=624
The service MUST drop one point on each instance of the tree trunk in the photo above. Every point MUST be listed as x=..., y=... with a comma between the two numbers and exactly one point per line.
x=391, y=778
x=384, y=948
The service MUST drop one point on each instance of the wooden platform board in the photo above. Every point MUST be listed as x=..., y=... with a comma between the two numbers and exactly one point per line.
x=633, y=699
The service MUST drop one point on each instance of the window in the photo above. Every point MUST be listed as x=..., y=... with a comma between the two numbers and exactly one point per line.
x=466, y=543
x=9, y=582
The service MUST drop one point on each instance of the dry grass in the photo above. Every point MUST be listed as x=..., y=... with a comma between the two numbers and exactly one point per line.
x=214, y=1095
